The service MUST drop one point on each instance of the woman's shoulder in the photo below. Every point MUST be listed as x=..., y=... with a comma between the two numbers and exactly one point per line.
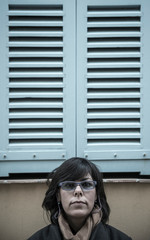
x=45, y=233
x=109, y=233
x=117, y=233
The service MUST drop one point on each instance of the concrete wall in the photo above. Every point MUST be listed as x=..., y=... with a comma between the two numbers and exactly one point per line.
x=21, y=213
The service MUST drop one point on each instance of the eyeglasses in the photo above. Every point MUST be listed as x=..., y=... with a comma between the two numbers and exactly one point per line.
x=71, y=185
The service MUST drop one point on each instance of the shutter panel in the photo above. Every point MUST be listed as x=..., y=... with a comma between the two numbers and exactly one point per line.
x=39, y=69
x=36, y=81
x=113, y=82
x=112, y=69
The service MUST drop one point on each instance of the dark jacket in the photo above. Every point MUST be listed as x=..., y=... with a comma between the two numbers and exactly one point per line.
x=100, y=232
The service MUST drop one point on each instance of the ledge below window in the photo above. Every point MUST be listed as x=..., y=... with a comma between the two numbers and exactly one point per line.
x=117, y=180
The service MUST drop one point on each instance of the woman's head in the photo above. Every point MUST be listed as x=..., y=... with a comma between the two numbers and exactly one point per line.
x=75, y=169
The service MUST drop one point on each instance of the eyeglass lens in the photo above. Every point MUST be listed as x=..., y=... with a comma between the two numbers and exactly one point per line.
x=85, y=185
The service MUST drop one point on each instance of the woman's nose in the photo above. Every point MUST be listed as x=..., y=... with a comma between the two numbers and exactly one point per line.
x=78, y=190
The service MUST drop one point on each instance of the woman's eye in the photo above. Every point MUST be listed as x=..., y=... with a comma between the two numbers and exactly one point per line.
x=86, y=184
x=69, y=185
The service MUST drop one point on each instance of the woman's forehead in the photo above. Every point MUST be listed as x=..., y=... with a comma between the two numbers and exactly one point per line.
x=85, y=177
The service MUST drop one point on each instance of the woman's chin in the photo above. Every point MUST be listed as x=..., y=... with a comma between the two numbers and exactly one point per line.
x=78, y=213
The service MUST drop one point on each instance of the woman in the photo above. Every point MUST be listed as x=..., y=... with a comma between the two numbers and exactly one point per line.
x=76, y=205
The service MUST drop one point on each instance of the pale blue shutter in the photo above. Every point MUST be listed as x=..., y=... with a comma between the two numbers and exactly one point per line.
x=38, y=70
x=37, y=121
x=113, y=84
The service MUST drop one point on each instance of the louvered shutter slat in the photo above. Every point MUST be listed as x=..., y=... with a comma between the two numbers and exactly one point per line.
x=32, y=135
x=36, y=105
x=39, y=83
x=35, y=114
x=29, y=92
x=115, y=105
x=113, y=65
x=112, y=53
x=111, y=94
x=35, y=24
x=33, y=44
x=36, y=124
x=113, y=34
x=34, y=73
x=115, y=124
x=115, y=73
x=115, y=84
x=121, y=115
x=35, y=12
x=34, y=64
x=113, y=24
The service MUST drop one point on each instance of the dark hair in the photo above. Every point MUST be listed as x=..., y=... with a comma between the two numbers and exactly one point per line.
x=74, y=169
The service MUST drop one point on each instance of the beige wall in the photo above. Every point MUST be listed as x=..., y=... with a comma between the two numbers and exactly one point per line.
x=21, y=213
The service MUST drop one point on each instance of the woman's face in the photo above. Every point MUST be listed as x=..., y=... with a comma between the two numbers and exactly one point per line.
x=78, y=203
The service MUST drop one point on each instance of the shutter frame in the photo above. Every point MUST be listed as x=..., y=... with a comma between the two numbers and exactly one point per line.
x=127, y=158
x=30, y=158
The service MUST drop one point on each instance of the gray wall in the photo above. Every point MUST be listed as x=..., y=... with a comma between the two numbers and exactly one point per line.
x=21, y=213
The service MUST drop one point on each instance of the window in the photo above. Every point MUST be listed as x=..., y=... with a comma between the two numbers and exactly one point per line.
x=74, y=82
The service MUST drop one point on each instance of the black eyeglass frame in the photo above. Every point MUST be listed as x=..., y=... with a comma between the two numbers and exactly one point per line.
x=78, y=184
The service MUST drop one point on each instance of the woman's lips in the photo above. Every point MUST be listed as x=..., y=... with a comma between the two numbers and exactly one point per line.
x=78, y=202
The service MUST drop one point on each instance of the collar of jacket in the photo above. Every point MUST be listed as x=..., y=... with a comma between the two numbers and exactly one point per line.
x=98, y=233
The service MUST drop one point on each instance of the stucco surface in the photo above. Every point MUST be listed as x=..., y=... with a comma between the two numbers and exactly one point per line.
x=21, y=213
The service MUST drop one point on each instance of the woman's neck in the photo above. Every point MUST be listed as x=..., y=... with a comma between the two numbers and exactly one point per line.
x=75, y=224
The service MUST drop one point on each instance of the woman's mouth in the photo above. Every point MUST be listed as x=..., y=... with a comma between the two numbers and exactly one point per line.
x=78, y=202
